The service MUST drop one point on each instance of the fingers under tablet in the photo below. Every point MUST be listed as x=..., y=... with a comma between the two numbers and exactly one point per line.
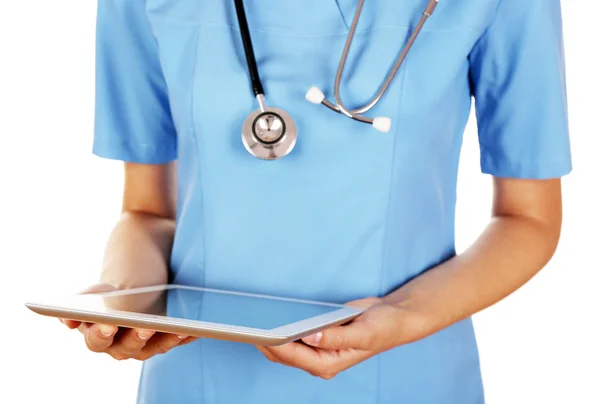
x=98, y=337
x=129, y=342
x=160, y=343
x=72, y=324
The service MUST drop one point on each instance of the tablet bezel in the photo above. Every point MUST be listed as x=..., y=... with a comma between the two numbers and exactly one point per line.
x=74, y=308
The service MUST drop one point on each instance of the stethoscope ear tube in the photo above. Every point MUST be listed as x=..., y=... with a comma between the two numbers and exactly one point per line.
x=382, y=124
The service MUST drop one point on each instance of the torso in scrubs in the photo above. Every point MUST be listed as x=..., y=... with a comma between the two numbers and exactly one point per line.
x=351, y=212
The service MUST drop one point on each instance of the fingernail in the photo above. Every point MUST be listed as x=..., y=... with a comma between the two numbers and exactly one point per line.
x=144, y=335
x=107, y=331
x=182, y=336
x=314, y=339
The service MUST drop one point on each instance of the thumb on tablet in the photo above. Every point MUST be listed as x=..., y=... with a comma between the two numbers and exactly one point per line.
x=98, y=288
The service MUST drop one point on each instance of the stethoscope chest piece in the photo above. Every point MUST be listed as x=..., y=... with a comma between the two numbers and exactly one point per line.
x=269, y=133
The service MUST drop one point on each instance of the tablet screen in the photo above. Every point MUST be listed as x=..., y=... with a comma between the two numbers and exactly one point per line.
x=216, y=307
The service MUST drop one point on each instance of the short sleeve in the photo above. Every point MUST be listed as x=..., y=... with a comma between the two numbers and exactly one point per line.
x=133, y=120
x=518, y=77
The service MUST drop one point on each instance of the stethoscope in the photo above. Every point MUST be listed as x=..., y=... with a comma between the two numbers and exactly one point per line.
x=270, y=133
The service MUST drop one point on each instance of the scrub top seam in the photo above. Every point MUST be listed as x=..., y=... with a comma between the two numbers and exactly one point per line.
x=387, y=214
x=196, y=141
x=391, y=177
x=194, y=131
x=308, y=35
x=342, y=14
x=485, y=30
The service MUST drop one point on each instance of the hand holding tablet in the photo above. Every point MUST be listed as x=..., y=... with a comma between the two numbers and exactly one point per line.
x=199, y=312
x=124, y=343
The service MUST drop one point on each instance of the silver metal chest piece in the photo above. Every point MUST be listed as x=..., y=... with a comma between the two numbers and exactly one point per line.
x=269, y=133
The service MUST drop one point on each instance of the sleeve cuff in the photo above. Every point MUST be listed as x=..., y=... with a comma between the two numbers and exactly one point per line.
x=504, y=167
x=162, y=153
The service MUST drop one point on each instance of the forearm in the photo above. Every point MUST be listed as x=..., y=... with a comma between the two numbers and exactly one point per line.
x=137, y=253
x=509, y=253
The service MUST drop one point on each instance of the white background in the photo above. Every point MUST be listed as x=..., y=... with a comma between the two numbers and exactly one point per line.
x=58, y=204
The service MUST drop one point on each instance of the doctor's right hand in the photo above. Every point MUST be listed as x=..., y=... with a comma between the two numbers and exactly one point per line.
x=125, y=343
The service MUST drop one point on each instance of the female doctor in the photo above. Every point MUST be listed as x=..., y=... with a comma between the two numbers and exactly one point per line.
x=349, y=214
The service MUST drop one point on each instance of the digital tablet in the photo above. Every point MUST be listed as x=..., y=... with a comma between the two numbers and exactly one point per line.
x=200, y=312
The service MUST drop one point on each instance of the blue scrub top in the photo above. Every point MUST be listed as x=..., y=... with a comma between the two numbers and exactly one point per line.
x=351, y=212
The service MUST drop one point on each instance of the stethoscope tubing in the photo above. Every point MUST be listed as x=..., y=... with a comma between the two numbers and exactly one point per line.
x=257, y=145
x=356, y=113
x=257, y=86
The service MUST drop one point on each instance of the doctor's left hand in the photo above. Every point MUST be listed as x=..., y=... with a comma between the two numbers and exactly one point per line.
x=382, y=326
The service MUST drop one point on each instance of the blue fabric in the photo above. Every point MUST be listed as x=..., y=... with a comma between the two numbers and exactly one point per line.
x=350, y=212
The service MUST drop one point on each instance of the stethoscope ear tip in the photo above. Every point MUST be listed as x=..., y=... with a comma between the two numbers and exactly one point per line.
x=315, y=95
x=382, y=124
